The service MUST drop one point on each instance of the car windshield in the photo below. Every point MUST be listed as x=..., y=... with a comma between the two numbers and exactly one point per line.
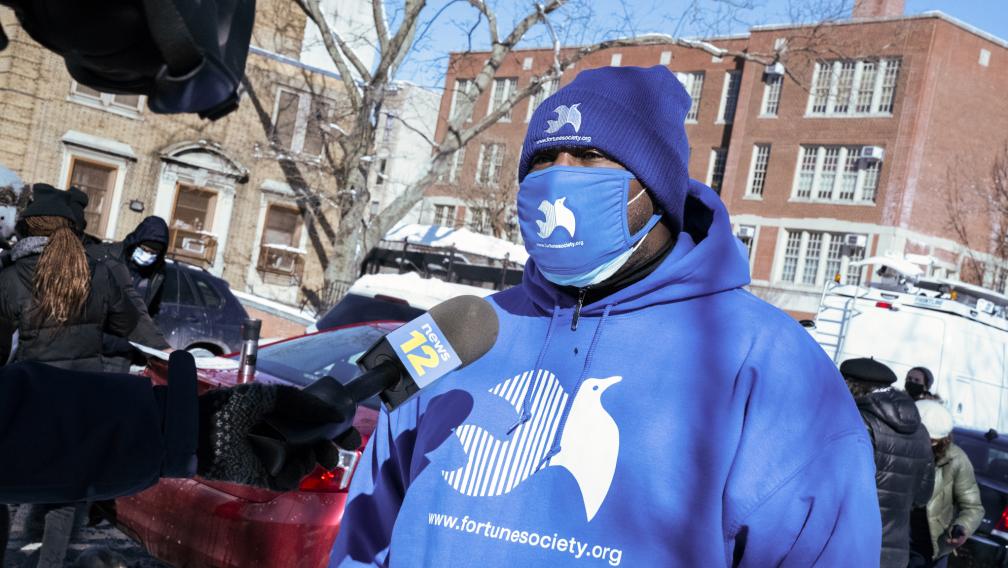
x=306, y=359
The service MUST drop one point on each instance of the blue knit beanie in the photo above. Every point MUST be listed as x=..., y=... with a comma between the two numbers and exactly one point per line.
x=634, y=115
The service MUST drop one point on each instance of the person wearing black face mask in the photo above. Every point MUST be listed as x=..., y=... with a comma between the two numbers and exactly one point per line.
x=918, y=383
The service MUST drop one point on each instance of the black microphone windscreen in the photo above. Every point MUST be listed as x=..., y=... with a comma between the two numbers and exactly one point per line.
x=470, y=325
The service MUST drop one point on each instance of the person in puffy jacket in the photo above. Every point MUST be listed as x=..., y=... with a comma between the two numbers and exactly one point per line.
x=139, y=268
x=904, y=468
x=60, y=300
x=955, y=510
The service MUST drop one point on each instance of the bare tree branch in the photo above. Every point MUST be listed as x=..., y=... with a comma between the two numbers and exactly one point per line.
x=381, y=24
x=314, y=12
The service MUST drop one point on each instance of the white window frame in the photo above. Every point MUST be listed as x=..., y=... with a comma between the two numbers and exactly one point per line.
x=732, y=77
x=484, y=219
x=497, y=161
x=751, y=247
x=107, y=102
x=510, y=85
x=469, y=85
x=301, y=119
x=527, y=64
x=844, y=152
x=693, y=82
x=832, y=71
x=757, y=158
x=665, y=58
x=449, y=207
x=828, y=239
x=536, y=99
x=772, y=87
x=458, y=161
x=712, y=165
x=616, y=60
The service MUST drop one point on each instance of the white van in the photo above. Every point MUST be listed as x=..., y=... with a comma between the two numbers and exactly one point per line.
x=957, y=330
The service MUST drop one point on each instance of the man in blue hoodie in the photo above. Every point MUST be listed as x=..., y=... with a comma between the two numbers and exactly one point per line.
x=639, y=408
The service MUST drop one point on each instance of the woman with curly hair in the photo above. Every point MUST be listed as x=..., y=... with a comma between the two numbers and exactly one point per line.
x=59, y=299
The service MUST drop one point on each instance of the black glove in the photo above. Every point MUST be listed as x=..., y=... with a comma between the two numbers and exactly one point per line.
x=269, y=435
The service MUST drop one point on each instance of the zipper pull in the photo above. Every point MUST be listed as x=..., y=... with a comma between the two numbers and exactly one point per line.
x=577, y=308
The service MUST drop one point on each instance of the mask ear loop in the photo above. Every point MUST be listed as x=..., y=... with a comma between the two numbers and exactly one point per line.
x=642, y=234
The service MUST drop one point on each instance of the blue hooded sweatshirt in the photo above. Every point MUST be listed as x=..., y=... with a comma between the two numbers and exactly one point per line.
x=684, y=422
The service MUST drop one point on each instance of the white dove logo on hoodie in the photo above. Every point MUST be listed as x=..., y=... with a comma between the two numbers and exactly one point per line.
x=589, y=443
x=565, y=115
x=557, y=215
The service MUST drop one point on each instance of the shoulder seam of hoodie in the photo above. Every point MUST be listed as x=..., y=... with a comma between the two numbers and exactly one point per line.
x=734, y=526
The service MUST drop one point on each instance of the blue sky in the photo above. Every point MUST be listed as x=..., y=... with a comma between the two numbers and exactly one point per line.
x=590, y=20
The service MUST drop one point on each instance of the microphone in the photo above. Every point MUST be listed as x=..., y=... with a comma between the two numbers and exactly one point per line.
x=450, y=336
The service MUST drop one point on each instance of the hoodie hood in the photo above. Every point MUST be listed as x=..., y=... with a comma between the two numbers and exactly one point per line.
x=894, y=407
x=153, y=229
x=707, y=258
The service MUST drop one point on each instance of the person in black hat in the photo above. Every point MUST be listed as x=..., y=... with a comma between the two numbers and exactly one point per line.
x=60, y=300
x=904, y=464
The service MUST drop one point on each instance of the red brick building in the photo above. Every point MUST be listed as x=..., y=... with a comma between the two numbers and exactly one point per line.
x=843, y=151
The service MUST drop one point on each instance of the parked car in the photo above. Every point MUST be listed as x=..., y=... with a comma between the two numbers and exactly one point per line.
x=988, y=452
x=198, y=310
x=397, y=297
x=196, y=522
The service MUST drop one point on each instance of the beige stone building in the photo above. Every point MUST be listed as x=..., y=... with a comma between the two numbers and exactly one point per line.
x=219, y=185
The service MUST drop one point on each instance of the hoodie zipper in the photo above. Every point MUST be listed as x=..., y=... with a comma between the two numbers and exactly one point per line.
x=577, y=307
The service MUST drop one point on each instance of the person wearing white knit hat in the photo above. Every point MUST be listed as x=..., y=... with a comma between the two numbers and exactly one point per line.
x=955, y=510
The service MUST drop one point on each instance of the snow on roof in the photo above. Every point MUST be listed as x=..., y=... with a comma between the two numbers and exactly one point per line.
x=463, y=240
x=423, y=293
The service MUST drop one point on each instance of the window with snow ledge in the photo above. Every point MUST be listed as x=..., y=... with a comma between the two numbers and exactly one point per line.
x=191, y=234
x=280, y=251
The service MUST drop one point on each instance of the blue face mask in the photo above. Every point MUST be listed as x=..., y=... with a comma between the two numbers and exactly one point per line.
x=574, y=222
x=143, y=258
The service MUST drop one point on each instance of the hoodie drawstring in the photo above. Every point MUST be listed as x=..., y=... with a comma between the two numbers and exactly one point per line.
x=555, y=448
x=526, y=407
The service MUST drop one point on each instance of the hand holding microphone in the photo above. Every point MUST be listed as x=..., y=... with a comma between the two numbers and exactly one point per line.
x=273, y=435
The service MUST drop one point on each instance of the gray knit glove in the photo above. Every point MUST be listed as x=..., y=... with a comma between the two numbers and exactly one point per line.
x=269, y=435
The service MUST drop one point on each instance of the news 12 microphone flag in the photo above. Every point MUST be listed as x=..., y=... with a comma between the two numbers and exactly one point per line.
x=423, y=347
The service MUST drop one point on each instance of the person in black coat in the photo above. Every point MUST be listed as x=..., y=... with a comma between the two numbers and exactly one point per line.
x=59, y=299
x=139, y=268
x=904, y=464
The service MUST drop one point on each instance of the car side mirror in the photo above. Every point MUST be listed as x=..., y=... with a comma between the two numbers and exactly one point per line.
x=807, y=323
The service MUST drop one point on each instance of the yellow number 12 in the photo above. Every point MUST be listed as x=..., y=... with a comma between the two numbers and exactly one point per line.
x=420, y=364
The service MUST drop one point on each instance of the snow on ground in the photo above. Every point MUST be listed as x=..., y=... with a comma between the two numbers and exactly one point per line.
x=463, y=240
x=22, y=554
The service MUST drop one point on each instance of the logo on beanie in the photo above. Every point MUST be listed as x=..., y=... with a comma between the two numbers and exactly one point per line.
x=565, y=115
x=557, y=215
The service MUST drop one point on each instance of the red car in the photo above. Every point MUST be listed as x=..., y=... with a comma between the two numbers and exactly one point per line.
x=196, y=522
